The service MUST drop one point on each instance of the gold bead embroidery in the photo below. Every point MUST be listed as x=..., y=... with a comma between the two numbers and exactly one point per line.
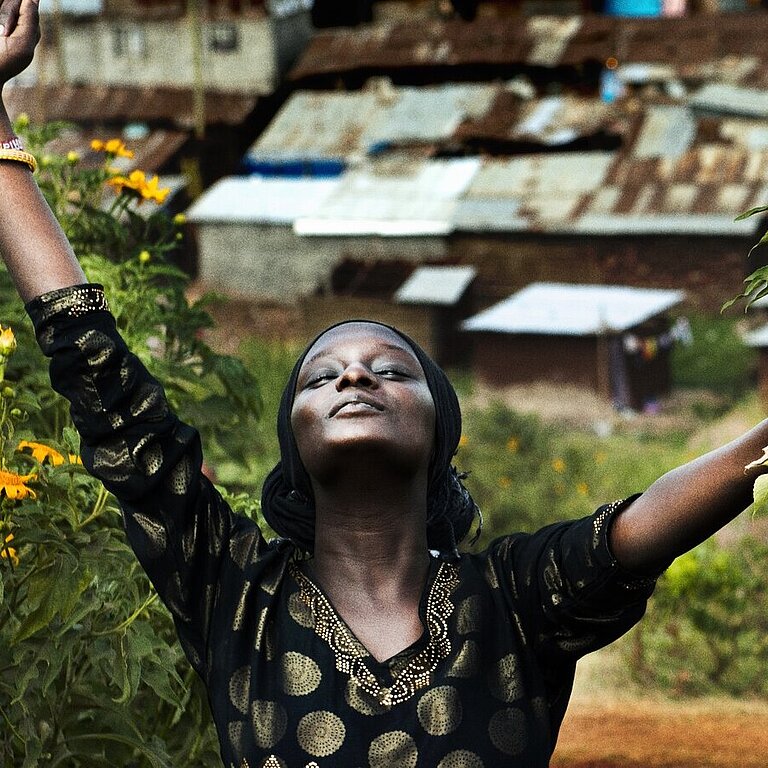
x=74, y=301
x=350, y=655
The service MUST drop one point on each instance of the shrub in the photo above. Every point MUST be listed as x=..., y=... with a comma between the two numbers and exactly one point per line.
x=90, y=673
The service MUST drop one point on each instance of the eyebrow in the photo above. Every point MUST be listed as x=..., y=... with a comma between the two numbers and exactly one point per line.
x=326, y=353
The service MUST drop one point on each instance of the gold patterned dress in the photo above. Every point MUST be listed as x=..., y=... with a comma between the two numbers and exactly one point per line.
x=487, y=684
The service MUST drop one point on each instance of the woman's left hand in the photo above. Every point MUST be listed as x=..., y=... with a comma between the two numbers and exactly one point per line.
x=19, y=34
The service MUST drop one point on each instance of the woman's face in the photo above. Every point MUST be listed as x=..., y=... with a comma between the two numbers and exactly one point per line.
x=361, y=391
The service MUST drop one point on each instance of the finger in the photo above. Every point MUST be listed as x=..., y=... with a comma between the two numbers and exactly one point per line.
x=29, y=16
x=9, y=15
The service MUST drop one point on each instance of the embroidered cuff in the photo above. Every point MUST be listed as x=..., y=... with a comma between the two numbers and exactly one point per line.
x=71, y=302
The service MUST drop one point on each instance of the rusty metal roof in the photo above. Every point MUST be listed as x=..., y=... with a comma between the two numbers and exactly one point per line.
x=730, y=48
x=350, y=125
x=104, y=104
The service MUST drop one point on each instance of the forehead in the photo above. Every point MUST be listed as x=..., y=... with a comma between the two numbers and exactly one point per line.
x=362, y=337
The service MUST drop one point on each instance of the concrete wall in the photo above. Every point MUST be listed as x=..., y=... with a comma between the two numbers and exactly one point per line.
x=262, y=262
x=146, y=53
x=270, y=262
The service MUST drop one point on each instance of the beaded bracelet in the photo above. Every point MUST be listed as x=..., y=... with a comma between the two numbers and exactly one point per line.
x=14, y=143
x=19, y=156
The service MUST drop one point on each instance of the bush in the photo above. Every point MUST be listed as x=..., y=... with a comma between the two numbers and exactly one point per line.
x=707, y=624
x=90, y=672
x=717, y=359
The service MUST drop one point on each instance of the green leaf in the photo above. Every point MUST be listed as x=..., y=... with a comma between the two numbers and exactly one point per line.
x=760, y=495
x=54, y=591
x=155, y=758
x=751, y=212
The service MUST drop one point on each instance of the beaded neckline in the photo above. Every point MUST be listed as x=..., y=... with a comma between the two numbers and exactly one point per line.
x=352, y=657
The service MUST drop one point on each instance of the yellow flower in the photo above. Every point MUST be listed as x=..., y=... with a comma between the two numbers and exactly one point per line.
x=582, y=489
x=114, y=147
x=72, y=157
x=558, y=465
x=42, y=452
x=7, y=342
x=14, y=485
x=179, y=219
x=9, y=553
x=513, y=444
x=463, y=440
x=136, y=183
x=144, y=257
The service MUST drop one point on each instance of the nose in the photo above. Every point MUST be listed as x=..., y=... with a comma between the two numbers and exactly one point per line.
x=356, y=375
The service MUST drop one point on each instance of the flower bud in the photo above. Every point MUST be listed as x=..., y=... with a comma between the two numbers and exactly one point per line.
x=7, y=342
x=145, y=257
x=8, y=392
x=73, y=157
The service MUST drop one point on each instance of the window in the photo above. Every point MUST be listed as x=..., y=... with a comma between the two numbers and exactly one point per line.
x=129, y=42
x=223, y=38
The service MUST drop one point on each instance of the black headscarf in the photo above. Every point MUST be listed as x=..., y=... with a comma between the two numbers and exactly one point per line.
x=287, y=499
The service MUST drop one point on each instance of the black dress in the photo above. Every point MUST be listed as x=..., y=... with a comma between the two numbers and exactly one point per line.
x=289, y=684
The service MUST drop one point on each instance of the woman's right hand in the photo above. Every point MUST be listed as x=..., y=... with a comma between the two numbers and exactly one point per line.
x=19, y=34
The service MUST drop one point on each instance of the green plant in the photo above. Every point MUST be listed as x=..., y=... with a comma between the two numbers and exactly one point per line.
x=90, y=673
x=707, y=624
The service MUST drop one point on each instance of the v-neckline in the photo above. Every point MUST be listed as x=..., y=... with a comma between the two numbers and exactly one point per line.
x=353, y=658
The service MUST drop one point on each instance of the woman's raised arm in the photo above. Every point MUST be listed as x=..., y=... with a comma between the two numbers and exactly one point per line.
x=688, y=504
x=33, y=245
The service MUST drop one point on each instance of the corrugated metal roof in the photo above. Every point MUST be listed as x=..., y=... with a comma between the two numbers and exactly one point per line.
x=111, y=104
x=731, y=99
x=574, y=310
x=666, y=131
x=255, y=200
x=396, y=198
x=438, y=285
x=347, y=126
x=695, y=46
x=698, y=192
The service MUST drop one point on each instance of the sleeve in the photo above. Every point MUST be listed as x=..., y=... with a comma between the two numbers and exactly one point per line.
x=175, y=520
x=572, y=594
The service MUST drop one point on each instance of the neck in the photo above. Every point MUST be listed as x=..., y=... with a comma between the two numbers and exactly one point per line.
x=371, y=536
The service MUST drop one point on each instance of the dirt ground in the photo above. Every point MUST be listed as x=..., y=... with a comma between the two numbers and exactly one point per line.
x=650, y=734
x=612, y=724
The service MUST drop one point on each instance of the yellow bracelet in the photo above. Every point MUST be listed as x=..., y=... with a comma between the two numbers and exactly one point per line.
x=19, y=156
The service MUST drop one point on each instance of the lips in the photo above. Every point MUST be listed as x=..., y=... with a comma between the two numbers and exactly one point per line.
x=356, y=404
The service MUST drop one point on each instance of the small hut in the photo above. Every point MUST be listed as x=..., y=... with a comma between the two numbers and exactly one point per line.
x=614, y=340
x=444, y=295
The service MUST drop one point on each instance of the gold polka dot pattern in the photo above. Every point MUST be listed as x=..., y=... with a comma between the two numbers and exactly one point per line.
x=300, y=612
x=504, y=680
x=461, y=758
x=440, y=710
x=468, y=616
x=467, y=662
x=269, y=721
x=507, y=731
x=395, y=749
x=240, y=689
x=320, y=733
x=300, y=674
x=155, y=533
x=237, y=623
x=235, y=733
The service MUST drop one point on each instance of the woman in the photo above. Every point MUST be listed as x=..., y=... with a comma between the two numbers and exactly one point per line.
x=361, y=638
